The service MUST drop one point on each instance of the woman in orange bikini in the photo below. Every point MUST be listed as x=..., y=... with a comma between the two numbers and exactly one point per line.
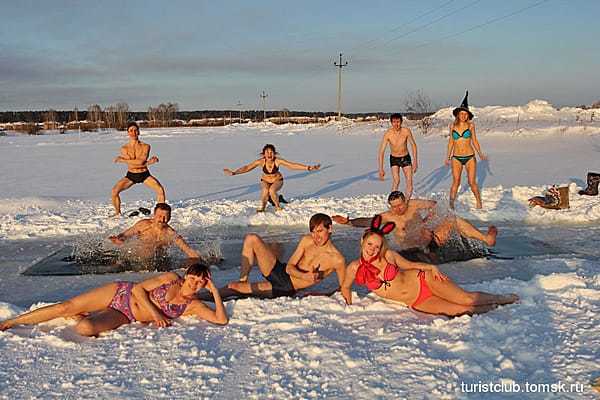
x=271, y=180
x=462, y=146
x=421, y=285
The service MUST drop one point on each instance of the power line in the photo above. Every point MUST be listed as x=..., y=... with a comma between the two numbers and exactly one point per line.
x=430, y=11
x=431, y=23
x=488, y=22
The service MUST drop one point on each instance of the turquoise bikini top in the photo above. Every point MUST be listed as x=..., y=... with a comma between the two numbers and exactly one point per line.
x=465, y=135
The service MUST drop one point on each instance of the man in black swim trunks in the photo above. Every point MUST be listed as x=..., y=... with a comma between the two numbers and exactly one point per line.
x=398, y=138
x=135, y=155
x=421, y=231
x=315, y=258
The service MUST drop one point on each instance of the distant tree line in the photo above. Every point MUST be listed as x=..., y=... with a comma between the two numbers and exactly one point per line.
x=417, y=105
x=118, y=115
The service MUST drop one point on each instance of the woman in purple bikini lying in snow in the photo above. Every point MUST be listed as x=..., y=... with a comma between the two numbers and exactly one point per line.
x=156, y=300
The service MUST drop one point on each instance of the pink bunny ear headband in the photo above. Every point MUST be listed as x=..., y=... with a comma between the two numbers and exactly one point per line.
x=378, y=228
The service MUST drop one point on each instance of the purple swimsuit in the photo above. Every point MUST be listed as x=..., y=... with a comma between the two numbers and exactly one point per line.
x=122, y=299
x=170, y=310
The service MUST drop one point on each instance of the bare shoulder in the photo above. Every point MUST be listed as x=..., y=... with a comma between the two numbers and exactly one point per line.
x=143, y=223
x=171, y=230
x=306, y=239
x=168, y=276
x=391, y=256
x=421, y=203
x=405, y=131
x=386, y=216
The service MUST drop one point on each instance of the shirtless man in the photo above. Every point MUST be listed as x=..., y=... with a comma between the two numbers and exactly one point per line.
x=314, y=259
x=398, y=138
x=417, y=227
x=135, y=155
x=154, y=235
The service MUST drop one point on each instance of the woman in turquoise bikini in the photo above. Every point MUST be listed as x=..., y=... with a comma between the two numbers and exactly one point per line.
x=462, y=146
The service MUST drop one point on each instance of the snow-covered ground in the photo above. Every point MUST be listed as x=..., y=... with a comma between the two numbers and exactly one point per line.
x=56, y=191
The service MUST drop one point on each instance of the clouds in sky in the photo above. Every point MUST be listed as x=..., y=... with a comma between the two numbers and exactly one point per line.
x=206, y=55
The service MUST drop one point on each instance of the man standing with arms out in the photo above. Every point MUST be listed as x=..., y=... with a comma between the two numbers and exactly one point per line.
x=315, y=258
x=398, y=137
x=135, y=155
x=154, y=235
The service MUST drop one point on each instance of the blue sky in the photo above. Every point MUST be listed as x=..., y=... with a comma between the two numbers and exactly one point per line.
x=210, y=55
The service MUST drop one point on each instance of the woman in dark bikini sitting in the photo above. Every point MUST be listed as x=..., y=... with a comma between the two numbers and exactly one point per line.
x=271, y=180
x=461, y=151
x=421, y=285
x=157, y=300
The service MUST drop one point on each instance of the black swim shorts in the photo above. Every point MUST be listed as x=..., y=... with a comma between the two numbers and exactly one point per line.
x=138, y=177
x=402, y=162
x=280, y=280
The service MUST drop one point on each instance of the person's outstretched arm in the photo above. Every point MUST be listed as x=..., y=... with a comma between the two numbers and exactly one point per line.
x=244, y=169
x=340, y=270
x=346, y=287
x=402, y=263
x=299, y=166
x=362, y=222
x=218, y=316
x=180, y=242
x=122, y=237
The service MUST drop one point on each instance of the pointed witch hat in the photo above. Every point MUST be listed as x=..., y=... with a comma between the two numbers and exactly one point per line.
x=464, y=106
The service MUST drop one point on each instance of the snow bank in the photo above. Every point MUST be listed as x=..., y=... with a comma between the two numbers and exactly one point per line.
x=317, y=347
x=38, y=217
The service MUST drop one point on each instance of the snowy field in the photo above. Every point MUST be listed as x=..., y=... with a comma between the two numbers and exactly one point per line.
x=56, y=191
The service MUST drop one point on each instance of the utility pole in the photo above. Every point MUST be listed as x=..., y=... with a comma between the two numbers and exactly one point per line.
x=339, y=99
x=77, y=122
x=264, y=96
x=239, y=105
